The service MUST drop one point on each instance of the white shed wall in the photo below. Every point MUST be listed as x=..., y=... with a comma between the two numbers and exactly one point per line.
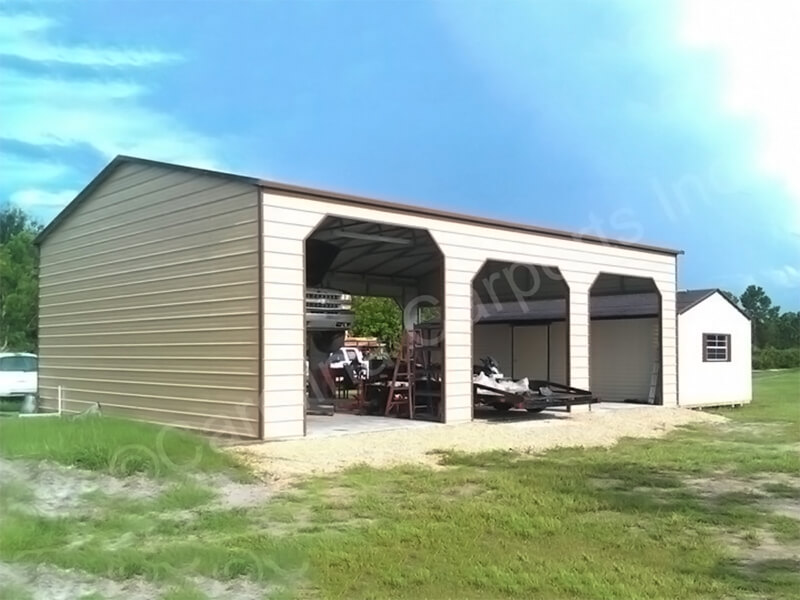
x=714, y=383
x=288, y=219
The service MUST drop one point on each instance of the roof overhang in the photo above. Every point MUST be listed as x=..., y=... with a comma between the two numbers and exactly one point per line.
x=329, y=196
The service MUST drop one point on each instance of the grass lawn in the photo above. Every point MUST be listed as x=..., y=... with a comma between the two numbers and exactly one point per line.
x=707, y=512
x=115, y=446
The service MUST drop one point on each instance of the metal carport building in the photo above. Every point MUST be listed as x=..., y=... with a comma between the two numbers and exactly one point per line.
x=176, y=295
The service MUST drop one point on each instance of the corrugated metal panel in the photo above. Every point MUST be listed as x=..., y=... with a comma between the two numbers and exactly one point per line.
x=558, y=353
x=622, y=356
x=149, y=301
x=494, y=341
x=530, y=351
x=466, y=246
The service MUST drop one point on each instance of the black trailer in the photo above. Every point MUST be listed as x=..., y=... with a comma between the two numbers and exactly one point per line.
x=539, y=396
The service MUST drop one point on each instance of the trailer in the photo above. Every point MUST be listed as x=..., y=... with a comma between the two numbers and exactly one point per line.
x=539, y=395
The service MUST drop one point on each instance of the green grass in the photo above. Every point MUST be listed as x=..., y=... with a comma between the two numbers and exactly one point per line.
x=632, y=521
x=14, y=592
x=115, y=446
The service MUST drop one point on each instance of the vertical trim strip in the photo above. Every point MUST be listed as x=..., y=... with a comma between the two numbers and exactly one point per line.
x=677, y=345
x=260, y=312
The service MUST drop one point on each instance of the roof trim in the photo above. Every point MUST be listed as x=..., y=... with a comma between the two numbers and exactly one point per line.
x=291, y=189
x=710, y=292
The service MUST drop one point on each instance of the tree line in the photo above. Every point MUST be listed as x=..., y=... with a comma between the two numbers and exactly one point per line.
x=776, y=334
x=19, y=298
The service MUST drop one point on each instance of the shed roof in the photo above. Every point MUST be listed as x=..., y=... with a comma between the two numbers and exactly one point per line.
x=687, y=299
x=292, y=189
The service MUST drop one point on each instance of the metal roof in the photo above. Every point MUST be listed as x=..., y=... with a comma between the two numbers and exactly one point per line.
x=379, y=249
x=337, y=197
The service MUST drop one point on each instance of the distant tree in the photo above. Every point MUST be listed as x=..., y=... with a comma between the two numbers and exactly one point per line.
x=14, y=220
x=18, y=292
x=787, y=331
x=758, y=306
x=378, y=317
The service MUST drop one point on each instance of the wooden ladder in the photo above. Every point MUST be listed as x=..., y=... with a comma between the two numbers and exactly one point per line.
x=401, y=388
x=655, y=372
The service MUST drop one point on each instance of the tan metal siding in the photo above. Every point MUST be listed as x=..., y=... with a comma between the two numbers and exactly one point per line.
x=149, y=302
x=466, y=246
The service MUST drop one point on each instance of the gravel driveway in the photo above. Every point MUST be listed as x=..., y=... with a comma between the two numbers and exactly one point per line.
x=604, y=426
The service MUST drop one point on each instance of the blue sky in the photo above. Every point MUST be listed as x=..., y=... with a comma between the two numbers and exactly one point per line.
x=671, y=123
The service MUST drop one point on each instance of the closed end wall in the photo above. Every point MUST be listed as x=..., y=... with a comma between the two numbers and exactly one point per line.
x=623, y=352
x=149, y=301
x=522, y=350
x=714, y=383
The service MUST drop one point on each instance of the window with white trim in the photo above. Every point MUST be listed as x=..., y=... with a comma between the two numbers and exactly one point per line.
x=716, y=347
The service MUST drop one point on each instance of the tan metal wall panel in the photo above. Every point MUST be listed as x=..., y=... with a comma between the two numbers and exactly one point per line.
x=166, y=350
x=187, y=282
x=147, y=273
x=465, y=246
x=149, y=302
x=161, y=238
x=185, y=394
x=112, y=300
x=213, y=319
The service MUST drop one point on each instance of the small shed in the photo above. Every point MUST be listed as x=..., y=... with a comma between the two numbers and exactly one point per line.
x=714, y=350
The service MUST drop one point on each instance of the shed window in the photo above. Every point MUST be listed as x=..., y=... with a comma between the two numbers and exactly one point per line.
x=716, y=347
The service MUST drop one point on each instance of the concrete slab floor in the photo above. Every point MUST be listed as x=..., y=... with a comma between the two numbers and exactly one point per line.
x=319, y=426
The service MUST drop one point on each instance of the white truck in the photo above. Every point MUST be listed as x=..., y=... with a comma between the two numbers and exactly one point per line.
x=18, y=374
x=345, y=356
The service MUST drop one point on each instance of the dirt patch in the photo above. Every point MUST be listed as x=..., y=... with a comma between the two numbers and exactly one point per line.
x=607, y=483
x=233, y=494
x=241, y=589
x=721, y=484
x=785, y=508
x=760, y=548
x=44, y=582
x=49, y=583
x=58, y=490
x=289, y=460
x=339, y=495
x=466, y=490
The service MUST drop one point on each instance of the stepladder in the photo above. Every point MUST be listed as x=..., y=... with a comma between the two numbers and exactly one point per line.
x=400, y=396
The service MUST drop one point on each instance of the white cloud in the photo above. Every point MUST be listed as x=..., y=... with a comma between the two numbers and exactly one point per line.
x=109, y=116
x=24, y=36
x=105, y=109
x=19, y=172
x=41, y=199
x=786, y=276
x=758, y=45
